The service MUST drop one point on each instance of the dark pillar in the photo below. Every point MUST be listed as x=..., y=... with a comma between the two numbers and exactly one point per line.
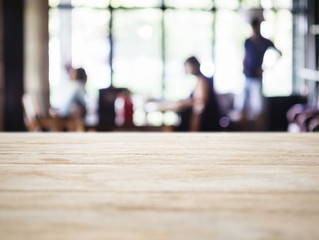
x=1, y=70
x=13, y=64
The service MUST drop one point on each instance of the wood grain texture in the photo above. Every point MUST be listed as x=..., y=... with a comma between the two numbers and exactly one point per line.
x=159, y=186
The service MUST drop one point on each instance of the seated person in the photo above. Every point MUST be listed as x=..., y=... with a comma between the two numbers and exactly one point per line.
x=74, y=95
x=201, y=107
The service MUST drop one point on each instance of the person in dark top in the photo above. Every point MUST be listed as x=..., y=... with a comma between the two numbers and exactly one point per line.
x=202, y=105
x=255, y=48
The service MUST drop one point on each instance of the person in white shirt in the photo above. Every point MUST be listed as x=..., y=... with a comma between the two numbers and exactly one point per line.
x=74, y=101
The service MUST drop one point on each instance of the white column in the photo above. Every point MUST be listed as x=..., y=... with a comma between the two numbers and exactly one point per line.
x=65, y=39
x=36, y=51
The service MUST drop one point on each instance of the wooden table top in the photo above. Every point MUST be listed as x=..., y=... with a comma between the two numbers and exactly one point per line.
x=159, y=186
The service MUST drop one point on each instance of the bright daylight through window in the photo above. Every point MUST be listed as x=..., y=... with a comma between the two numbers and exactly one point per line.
x=142, y=44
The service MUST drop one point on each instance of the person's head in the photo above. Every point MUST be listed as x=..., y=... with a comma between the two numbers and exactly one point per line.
x=192, y=66
x=81, y=75
x=78, y=74
x=255, y=24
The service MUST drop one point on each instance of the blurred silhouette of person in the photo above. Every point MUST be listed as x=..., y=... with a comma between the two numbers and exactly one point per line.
x=200, y=112
x=74, y=104
x=255, y=48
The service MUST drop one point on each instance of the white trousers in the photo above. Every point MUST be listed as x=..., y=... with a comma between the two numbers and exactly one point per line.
x=251, y=99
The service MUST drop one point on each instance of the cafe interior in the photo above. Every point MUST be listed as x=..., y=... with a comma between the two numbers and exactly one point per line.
x=131, y=55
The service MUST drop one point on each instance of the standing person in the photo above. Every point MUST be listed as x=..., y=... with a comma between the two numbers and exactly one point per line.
x=202, y=105
x=255, y=48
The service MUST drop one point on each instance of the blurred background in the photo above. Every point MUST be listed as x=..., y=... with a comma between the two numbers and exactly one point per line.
x=133, y=53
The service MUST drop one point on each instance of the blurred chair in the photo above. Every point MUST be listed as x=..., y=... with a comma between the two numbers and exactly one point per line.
x=314, y=124
x=276, y=109
x=36, y=120
x=303, y=118
x=231, y=120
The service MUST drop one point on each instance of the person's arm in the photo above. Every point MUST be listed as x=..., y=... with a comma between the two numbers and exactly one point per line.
x=185, y=103
x=280, y=53
x=200, y=98
x=277, y=50
x=272, y=45
x=274, y=52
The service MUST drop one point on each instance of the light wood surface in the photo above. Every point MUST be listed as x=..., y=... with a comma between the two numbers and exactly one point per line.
x=159, y=186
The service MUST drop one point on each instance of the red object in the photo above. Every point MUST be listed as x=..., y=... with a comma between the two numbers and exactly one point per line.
x=123, y=109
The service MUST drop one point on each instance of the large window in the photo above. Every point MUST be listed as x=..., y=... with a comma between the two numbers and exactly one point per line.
x=142, y=44
x=137, y=61
x=79, y=36
x=187, y=33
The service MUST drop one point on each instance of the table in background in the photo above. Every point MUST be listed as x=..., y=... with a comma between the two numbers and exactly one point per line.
x=159, y=186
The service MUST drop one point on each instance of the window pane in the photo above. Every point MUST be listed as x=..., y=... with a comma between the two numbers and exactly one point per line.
x=91, y=3
x=136, y=3
x=59, y=52
x=54, y=49
x=278, y=4
x=54, y=3
x=251, y=3
x=137, y=51
x=187, y=33
x=229, y=54
x=283, y=4
x=190, y=3
x=277, y=80
x=231, y=4
x=90, y=45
